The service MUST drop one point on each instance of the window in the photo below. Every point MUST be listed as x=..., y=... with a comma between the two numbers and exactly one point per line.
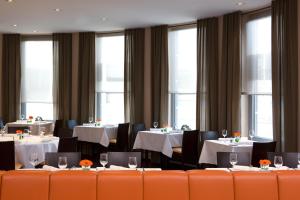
x=110, y=79
x=257, y=75
x=182, y=77
x=37, y=78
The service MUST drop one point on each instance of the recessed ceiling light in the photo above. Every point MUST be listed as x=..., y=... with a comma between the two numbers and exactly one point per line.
x=57, y=9
x=9, y=1
x=35, y=31
x=240, y=3
x=15, y=25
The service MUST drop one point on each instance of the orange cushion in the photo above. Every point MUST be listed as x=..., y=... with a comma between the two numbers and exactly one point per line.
x=114, y=185
x=204, y=184
x=163, y=185
x=25, y=185
x=75, y=185
x=255, y=185
x=288, y=184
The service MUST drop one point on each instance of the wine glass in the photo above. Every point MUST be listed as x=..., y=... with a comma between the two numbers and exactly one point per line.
x=22, y=117
x=251, y=134
x=224, y=133
x=103, y=159
x=278, y=162
x=132, y=162
x=155, y=124
x=233, y=159
x=2, y=131
x=90, y=120
x=62, y=162
x=33, y=160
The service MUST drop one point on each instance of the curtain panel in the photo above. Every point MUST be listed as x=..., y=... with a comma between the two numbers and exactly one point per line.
x=207, y=74
x=285, y=74
x=159, y=74
x=86, y=76
x=229, y=76
x=62, y=76
x=134, y=75
x=11, y=76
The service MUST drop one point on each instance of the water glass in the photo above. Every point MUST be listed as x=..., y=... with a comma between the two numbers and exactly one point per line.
x=22, y=117
x=224, y=133
x=132, y=163
x=33, y=160
x=278, y=162
x=251, y=134
x=233, y=159
x=62, y=162
x=103, y=159
x=155, y=124
x=90, y=120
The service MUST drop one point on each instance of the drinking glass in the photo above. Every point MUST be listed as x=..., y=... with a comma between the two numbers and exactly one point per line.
x=62, y=162
x=103, y=159
x=90, y=120
x=132, y=162
x=155, y=124
x=33, y=160
x=224, y=133
x=233, y=159
x=278, y=162
x=251, y=134
x=22, y=117
x=2, y=131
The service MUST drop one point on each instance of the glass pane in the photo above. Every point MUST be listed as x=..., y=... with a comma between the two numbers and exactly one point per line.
x=37, y=79
x=185, y=110
x=110, y=79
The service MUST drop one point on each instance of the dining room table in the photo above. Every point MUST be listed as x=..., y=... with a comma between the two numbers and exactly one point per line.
x=95, y=134
x=35, y=126
x=30, y=144
x=211, y=147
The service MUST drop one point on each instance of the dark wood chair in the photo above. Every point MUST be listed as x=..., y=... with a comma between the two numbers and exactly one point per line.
x=68, y=144
x=58, y=125
x=121, y=158
x=73, y=158
x=7, y=155
x=260, y=150
x=134, y=130
x=71, y=123
x=243, y=158
x=207, y=135
x=188, y=153
x=121, y=142
x=65, y=133
x=290, y=159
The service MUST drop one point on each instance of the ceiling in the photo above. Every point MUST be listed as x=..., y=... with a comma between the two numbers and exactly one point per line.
x=29, y=16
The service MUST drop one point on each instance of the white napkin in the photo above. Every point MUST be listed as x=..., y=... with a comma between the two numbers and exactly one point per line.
x=280, y=168
x=218, y=169
x=50, y=168
x=115, y=167
x=244, y=168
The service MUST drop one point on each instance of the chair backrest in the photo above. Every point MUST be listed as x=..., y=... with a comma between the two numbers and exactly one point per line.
x=73, y=158
x=58, y=125
x=260, y=150
x=243, y=158
x=7, y=155
x=290, y=159
x=12, y=129
x=121, y=158
x=134, y=130
x=68, y=144
x=71, y=123
x=207, y=135
x=65, y=133
x=122, y=137
x=190, y=142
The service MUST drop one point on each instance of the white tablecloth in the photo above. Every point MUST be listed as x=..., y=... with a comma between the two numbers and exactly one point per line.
x=32, y=144
x=35, y=127
x=95, y=134
x=158, y=141
x=211, y=147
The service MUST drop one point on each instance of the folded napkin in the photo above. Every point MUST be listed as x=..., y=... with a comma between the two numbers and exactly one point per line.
x=115, y=167
x=50, y=168
x=152, y=169
x=280, y=168
x=244, y=168
x=225, y=139
x=218, y=169
x=155, y=129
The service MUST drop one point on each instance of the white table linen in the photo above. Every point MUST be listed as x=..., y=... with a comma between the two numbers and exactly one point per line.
x=31, y=144
x=96, y=134
x=35, y=127
x=211, y=147
x=158, y=141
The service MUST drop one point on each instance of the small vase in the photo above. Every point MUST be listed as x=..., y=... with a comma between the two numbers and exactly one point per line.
x=264, y=167
x=86, y=168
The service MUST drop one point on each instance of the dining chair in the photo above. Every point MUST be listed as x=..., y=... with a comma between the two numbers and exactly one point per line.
x=121, y=142
x=71, y=123
x=260, y=150
x=73, y=158
x=67, y=144
x=207, y=135
x=134, y=131
x=64, y=133
x=58, y=125
x=7, y=156
x=187, y=154
x=223, y=160
x=290, y=159
x=121, y=158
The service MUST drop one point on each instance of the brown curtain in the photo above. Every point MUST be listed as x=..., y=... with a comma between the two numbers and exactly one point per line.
x=11, y=76
x=207, y=74
x=86, y=77
x=134, y=75
x=285, y=73
x=62, y=76
x=160, y=74
x=229, y=77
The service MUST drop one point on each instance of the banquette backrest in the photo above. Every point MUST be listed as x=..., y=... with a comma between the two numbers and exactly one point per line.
x=149, y=185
